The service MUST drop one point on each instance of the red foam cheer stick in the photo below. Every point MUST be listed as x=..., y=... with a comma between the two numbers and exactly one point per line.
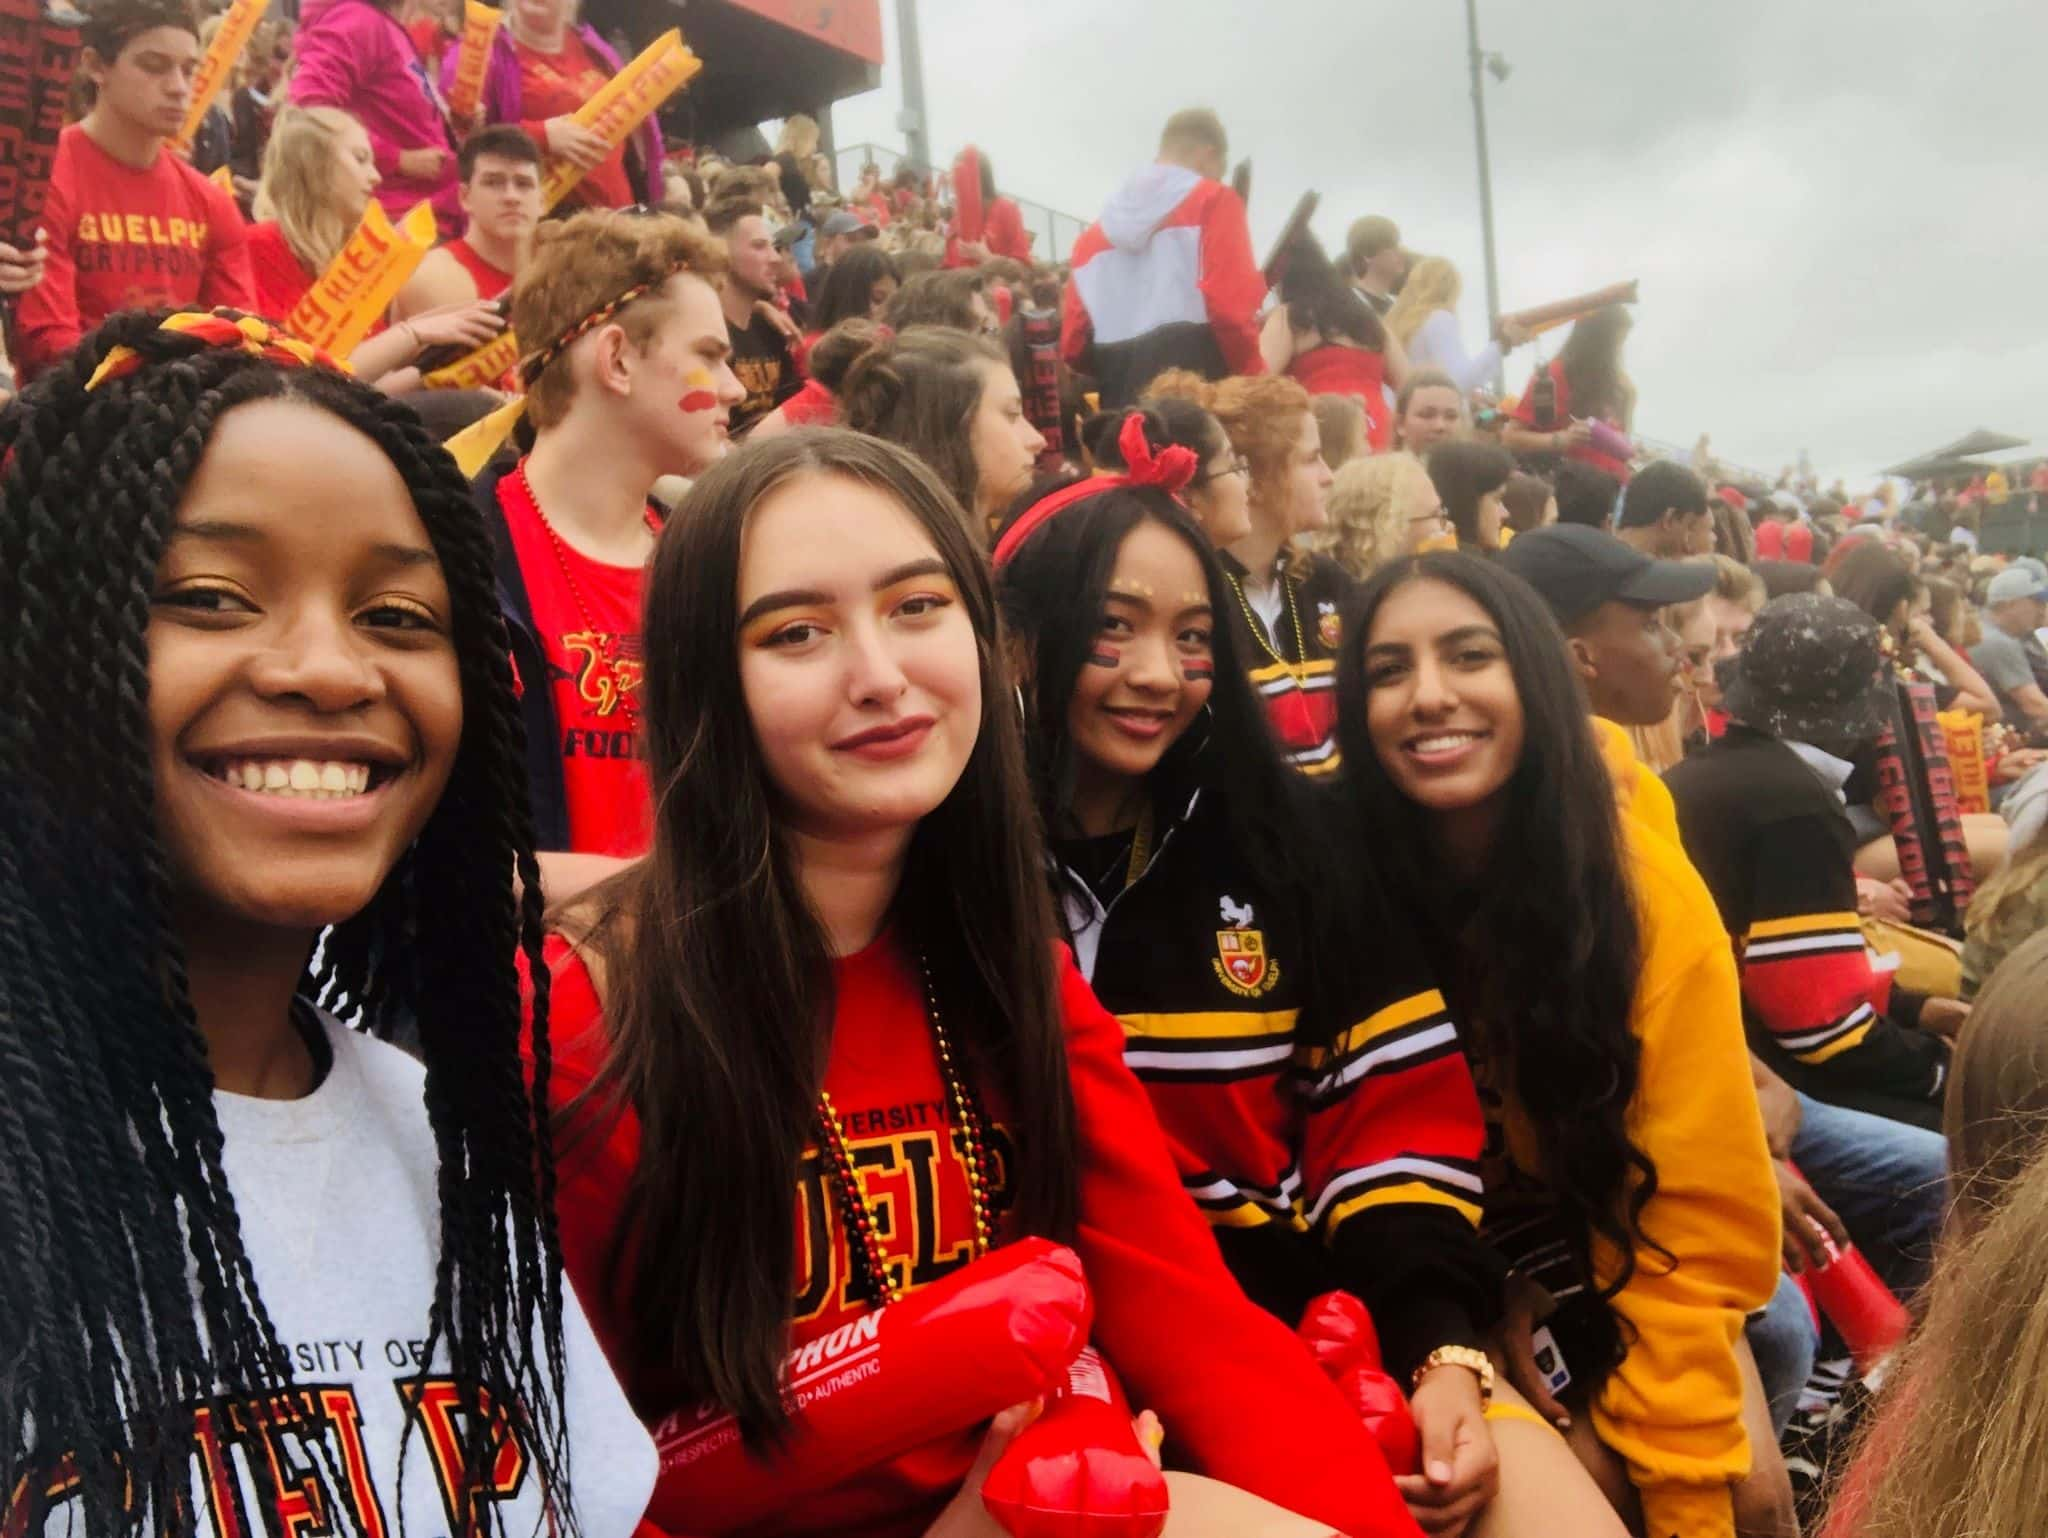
x=1078, y=1471
x=993, y=1334
x=1339, y=1334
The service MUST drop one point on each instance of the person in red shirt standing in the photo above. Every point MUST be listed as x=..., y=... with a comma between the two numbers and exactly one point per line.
x=131, y=225
x=835, y=979
x=543, y=66
x=628, y=379
x=1584, y=384
x=500, y=169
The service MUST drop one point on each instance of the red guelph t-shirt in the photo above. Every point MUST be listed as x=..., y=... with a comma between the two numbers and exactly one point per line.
x=556, y=84
x=1241, y=1400
x=593, y=652
x=123, y=239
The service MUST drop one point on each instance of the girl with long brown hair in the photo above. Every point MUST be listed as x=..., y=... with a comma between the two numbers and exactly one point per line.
x=950, y=398
x=835, y=974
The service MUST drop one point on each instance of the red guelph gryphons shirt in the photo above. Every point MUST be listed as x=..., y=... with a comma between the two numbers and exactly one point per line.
x=1241, y=1399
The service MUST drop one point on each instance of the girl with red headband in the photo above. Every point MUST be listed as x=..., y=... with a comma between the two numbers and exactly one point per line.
x=1312, y=1089
x=836, y=975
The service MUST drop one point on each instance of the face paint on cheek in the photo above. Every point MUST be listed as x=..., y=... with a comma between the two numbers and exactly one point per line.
x=701, y=396
x=1105, y=657
x=1198, y=672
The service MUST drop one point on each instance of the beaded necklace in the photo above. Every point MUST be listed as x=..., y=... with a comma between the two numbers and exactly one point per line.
x=1298, y=671
x=626, y=698
x=863, y=1233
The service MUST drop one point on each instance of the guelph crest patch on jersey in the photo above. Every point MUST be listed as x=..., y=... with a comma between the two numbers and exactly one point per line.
x=1242, y=964
x=1329, y=625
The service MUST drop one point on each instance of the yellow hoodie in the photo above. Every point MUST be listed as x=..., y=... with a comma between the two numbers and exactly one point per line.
x=1637, y=792
x=1673, y=1408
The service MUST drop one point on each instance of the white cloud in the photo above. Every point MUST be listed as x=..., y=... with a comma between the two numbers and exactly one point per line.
x=1833, y=206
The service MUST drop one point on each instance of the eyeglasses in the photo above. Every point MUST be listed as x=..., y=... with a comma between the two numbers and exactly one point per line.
x=1238, y=466
x=1440, y=519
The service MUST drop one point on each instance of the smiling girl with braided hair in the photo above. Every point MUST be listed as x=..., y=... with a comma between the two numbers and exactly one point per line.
x=259, y=753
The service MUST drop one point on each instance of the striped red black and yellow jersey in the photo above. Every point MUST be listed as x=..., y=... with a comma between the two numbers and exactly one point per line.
x=1319, y=1106
x=1293, y=660
x=1777, y=851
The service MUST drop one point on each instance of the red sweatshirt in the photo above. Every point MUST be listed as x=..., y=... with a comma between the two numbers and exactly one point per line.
x=1241, y=1400
x=123, y=239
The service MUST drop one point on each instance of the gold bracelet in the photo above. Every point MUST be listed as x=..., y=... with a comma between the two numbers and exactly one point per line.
x=1474, y=1361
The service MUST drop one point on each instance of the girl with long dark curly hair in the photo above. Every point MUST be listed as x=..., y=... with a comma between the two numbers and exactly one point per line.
x=1627, y=1173
x=262, y=767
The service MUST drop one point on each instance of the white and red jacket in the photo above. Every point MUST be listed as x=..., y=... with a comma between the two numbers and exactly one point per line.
x=1164, y=279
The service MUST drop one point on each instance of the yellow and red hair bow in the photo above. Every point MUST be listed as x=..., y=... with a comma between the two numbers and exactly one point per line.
x=244, y=333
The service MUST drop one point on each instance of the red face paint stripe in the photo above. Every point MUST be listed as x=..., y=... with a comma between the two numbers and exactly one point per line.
x=698, y=400
x=1104, y=659
x=1198, y=670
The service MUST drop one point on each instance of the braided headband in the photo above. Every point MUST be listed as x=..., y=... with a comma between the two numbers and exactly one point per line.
x=536, y=364
x=1169, y=470
x=223, y=329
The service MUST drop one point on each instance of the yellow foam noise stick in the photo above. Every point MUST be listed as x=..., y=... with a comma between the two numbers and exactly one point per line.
x=660, y=69
x=479, y=28
x=364, y=277
x=217, y=66
x=478, y=370
x=476, y=443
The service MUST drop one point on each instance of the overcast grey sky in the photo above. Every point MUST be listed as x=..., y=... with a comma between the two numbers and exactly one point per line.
x=1838, y=209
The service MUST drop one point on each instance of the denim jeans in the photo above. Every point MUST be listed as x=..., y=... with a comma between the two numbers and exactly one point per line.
x=1785, y=1342
x=1886, y=1181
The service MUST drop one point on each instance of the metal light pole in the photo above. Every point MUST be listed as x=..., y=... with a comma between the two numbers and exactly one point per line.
x=1480, y=62
x=910, y=60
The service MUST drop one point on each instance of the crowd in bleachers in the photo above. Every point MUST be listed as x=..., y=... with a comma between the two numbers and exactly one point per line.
x=562, y=687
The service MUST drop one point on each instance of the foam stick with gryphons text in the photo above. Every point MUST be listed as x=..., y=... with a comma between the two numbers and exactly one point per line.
x=483, y=369
x=217, y=65
x=660, y=69
x=479, y=30
x=364, y=277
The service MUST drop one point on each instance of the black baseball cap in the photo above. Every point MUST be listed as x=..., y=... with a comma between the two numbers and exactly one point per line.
x=1575, y=569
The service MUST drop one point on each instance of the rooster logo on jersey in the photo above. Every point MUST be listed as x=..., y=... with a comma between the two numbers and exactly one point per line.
x=1242, y=964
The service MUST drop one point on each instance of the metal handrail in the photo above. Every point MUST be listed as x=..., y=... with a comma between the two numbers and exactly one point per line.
x=1053, y=231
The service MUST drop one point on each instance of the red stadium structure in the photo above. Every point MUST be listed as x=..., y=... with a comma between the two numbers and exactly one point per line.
x=762, y=58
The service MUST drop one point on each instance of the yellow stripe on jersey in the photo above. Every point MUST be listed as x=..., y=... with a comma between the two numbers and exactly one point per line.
x=1329, y=765
x=1839, y=1045
x=1804, y=924
x=1210, y=1025
x=1315, y=667
x=1419, y=1006
x=1417, y=1191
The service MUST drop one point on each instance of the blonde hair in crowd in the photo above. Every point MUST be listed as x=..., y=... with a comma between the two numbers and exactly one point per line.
x=1996, y=1111
x=2023, y=870
x=297, y=188
x=1433, y=284
x=1958, y=1447
x=1341, y=421
x=256, y=52
x=1737, y=584
x=799, y=137
x=1367, y=528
